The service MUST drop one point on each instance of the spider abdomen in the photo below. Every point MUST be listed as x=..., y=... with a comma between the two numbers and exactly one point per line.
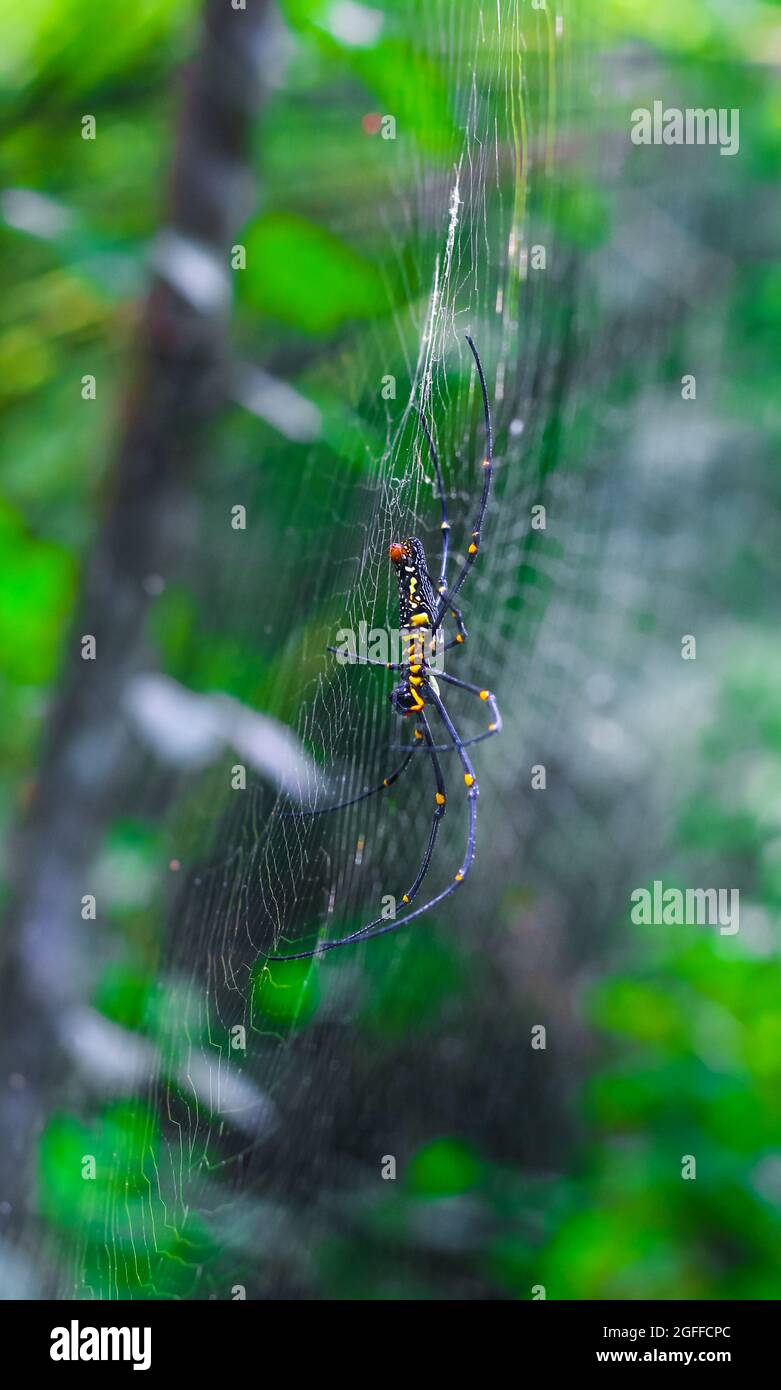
x=417, y=604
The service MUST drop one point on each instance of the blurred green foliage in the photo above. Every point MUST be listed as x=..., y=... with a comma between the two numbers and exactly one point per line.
x=101, y=1187
x=301, y=255
x=286, y=993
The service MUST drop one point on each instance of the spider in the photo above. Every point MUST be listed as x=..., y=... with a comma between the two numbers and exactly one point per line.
x=421, y=614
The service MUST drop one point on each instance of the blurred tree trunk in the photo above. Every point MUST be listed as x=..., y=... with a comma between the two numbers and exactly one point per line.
x=179, y=384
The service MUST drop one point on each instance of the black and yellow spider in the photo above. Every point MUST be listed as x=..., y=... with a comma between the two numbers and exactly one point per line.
x=421, y=614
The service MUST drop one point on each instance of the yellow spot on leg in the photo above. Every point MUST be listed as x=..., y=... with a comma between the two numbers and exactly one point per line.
x=459, y=877
x=485, y=694
x=440, y=799
x=492, y=728
x=405, y=899
x=469, y=779
x=473, y=549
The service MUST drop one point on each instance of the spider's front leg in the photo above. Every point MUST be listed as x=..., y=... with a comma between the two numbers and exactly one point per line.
x=461, y=635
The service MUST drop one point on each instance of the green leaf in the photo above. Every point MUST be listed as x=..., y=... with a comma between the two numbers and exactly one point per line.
x=444, y=1168
x=302, y=275
x=36, y=587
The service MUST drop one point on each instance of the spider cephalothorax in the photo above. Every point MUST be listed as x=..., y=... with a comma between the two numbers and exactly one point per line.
x=421, y=613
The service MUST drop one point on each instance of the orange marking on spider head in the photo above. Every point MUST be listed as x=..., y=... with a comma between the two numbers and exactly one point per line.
x=396, y=552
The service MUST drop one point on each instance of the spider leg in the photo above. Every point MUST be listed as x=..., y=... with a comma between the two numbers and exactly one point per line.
x=353, y=801
x=438, y=813
x=446, y=599
x=457, y=742
x=445, y=747
x=462, y=634
x=353, y=659
x=495, y=727
x=379, y=927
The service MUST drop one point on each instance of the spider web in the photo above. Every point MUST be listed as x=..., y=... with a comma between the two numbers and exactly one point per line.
x=233, y=1152
x=261, y=1101
x=243, y=1152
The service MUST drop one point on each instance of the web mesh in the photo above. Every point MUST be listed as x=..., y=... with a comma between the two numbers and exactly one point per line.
x=237, y=1116
x=292, y=874
x=218, y=1137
